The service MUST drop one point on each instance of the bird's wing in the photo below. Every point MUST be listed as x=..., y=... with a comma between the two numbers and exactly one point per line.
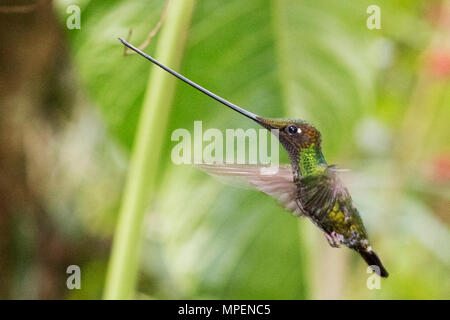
x=328, y=202
x=319, y=193
x=277, y=183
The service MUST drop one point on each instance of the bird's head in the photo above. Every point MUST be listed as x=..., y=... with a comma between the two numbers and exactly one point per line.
x=293, y=134
x=301, y=140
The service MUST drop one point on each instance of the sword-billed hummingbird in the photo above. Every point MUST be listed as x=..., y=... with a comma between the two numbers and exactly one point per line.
x=308, y=187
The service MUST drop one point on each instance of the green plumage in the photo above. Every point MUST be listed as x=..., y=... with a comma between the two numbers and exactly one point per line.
x=323, y=198
x=329, y=205
x=320, y=194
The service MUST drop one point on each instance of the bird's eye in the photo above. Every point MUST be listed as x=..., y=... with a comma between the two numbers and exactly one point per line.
x=292, y=129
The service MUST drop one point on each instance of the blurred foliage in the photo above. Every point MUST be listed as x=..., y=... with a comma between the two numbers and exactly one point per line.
x=375, y=95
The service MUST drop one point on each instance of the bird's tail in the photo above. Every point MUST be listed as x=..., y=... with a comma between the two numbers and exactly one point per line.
x=372, y=259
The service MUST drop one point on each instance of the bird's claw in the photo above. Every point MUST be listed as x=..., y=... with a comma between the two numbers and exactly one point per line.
x=334, y=239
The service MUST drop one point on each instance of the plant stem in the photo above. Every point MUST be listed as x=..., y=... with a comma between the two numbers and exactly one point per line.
x=140, y=183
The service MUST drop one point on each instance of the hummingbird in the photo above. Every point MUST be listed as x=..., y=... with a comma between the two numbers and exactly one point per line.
x=308, y=187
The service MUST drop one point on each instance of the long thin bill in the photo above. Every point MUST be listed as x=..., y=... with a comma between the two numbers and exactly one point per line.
x=193, y=84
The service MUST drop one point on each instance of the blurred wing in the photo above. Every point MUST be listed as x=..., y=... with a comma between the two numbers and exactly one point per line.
x=277, y=183
x=318, y=193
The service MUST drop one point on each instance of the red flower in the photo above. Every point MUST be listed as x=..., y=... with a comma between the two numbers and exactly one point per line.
x=438, y=63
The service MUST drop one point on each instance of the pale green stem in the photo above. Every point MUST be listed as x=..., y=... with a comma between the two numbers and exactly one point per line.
x=140, y=184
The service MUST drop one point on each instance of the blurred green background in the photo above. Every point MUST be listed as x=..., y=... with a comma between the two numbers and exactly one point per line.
x=70, y=107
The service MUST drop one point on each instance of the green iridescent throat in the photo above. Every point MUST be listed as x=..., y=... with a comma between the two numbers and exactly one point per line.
x=311, y=160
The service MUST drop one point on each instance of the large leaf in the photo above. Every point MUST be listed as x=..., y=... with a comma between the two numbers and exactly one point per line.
x=116, y=83
x=312, y=59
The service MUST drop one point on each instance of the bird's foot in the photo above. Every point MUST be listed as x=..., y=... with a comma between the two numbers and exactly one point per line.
x=334, y=239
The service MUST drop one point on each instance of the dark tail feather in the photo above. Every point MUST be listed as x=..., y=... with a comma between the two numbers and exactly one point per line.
x=372, y=259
